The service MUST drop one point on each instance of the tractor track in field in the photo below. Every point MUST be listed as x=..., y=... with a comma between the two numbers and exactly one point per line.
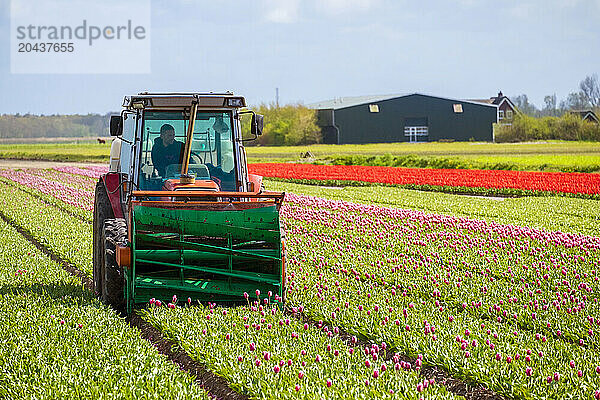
x=216, y=386
x=469, y=390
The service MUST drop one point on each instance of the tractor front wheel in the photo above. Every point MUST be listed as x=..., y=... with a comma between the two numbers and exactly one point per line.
x=114, y=233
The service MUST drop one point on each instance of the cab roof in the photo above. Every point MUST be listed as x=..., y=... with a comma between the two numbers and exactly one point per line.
x=179, y=100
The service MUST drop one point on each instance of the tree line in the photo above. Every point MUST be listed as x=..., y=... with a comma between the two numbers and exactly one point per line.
x=292, y=124
x=587, y=97
x=295, y=124
x=289, y=125
x=50, y=126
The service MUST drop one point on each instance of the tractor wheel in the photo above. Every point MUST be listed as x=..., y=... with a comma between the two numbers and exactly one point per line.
x=102, y=211
x=113, y=285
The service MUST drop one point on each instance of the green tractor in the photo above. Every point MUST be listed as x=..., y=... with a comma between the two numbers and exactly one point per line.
x=178, y=213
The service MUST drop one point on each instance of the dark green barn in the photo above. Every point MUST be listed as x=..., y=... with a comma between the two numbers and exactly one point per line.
x=404, y=118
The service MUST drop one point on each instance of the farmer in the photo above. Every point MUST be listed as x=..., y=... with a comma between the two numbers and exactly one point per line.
x=166, y=150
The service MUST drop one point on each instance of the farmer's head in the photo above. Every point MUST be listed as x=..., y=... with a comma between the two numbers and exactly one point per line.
x=220, y=126
x=167, y=134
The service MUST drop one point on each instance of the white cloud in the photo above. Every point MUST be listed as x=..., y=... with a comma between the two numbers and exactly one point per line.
x=281, y=11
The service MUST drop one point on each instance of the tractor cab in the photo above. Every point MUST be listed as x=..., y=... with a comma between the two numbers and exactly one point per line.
x=211, y=156
x=178, y=213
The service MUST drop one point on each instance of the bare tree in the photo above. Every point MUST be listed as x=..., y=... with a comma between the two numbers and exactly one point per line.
x=523, y=104
x=575, y=101
x=590, y=87
x=550, y=107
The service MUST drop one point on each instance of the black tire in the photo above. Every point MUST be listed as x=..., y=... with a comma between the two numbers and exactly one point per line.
x=113, y=285
x=102, y=211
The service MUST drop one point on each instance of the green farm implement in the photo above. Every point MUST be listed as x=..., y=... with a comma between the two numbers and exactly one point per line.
x=178, y=214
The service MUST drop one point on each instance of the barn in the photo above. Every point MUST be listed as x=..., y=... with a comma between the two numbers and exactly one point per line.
x=404, y=118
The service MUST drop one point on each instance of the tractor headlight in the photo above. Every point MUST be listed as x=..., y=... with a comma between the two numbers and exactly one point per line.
x=235, y=102
x=139, y=104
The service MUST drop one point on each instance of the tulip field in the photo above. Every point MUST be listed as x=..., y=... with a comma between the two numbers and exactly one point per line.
x=499, y=299
x=450, y=180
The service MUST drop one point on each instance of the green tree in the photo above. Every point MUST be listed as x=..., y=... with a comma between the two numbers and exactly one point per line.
x=292, y=124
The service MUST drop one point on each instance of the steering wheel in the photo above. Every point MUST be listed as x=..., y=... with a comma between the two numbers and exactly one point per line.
x=195, y=158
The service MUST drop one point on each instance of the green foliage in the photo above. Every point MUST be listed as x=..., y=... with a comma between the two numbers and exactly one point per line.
x=526, y=128
x=289, y=125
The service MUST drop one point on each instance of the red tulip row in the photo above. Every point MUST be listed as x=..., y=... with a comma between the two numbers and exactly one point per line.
x=577, y=183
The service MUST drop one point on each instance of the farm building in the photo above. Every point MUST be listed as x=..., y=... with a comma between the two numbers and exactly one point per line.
x=506, y=108
x=404, y=118
x=586, y=115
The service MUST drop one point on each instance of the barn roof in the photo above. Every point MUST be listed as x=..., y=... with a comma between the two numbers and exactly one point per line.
x=349, y=101
x=585, y=113
x=344, y=102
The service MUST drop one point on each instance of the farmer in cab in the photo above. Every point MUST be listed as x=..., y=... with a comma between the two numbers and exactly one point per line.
x=166, y=150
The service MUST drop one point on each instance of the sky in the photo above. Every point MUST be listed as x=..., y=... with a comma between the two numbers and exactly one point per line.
x=315, y=50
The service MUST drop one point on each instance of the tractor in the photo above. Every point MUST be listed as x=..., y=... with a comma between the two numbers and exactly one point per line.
x=178, y=213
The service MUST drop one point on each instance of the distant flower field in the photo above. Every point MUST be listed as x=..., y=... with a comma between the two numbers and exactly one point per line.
x=560, y=182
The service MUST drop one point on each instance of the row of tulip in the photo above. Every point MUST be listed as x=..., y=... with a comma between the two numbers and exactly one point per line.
x=62, y=233
x=76, y=197
x=556, y=213
x=495, y=303
x=53, y=199
x=58, y=342
x=93, y=172
x=433, y=285
x=315, y=364
x=266, y=354
x=556, y=182
x=549, y=212
x=64, y=175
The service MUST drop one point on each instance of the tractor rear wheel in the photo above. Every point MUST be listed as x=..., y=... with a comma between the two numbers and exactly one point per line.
x=113, y=282
x=102, y=211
